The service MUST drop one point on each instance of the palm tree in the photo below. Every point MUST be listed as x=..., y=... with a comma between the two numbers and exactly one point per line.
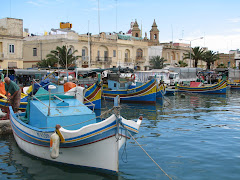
x=182, y=63
x=157, y=62
x=59, y=55
x=46, y=63
x=210, y=57
x=196, y=54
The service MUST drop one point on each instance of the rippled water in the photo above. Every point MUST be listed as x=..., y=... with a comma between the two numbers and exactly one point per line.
x=190, y=136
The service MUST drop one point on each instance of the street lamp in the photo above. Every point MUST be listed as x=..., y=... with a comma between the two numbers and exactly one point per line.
x=66, y=63
x=191, y=46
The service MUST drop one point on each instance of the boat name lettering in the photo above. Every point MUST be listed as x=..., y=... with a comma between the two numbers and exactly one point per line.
x=131, y=91
x=43, y=135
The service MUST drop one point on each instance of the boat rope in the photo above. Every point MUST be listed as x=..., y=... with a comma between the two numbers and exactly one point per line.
x=124, y=152
x=147, y=153
x=165, y=98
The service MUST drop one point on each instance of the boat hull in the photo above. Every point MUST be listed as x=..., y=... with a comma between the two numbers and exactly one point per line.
x=161, y=91
x=94, y=94
x=4, y=104
x=219, y=88
x=234, y=85
x=145, y=93
x=94, y=146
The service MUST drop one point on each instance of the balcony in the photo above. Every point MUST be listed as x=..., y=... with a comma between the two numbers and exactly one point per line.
x=103, y=60
x=140, y=59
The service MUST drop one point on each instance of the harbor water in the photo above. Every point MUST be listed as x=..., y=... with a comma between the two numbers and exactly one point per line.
x=190, y=136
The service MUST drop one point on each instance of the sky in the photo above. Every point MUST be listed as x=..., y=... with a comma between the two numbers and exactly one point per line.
x=217, y=21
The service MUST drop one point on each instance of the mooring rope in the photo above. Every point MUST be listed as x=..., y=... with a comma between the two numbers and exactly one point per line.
x=165, y=97
x=147, y=153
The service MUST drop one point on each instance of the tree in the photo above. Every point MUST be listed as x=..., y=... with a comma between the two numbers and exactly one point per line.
x=59, y=55
x=46, y=63
x=196, y=54
x=221, y=66
x=157, y=62
x=182, y=63
x=210, y=57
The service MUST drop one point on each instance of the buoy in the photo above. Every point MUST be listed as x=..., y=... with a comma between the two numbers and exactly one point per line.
x=54, y=145
x=133, y=77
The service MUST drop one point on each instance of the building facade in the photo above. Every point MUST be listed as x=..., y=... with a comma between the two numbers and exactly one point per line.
x=236, y=57
x=97, y=51
x=11, y=43
x=225, y=59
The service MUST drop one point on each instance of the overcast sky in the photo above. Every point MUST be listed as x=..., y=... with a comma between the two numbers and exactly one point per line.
x=218, y=21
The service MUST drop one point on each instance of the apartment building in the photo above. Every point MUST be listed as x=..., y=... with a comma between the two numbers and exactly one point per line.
x=11, y=43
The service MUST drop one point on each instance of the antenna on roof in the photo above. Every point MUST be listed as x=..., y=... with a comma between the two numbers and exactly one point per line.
x=116, y=16
x=98, y=18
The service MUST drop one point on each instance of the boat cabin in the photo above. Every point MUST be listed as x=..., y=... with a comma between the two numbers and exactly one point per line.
x=62, y=109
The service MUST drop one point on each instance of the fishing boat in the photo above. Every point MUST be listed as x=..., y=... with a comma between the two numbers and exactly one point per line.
x=4, y=103
x=170, y=91
x=145, y=93
x=234, y=85
x=61, y=129
x=161, y=90
x=219, y=88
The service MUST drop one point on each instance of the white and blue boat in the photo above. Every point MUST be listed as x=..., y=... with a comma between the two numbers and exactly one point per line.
x=62, y=129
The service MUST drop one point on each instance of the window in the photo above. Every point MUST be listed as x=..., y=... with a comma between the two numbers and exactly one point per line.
x=114, y=53
x=11, y=48
x=98, y=53
x=83, y=52
x=139, y=53
x=34, y=51
x=155, y=36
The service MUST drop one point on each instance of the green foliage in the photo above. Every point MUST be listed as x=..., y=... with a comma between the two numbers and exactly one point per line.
x=221, y=66
x=59, y=55
x=182, y=63
x=197, y=54
x=210, y=57
x=46, y=63
x=157, y=62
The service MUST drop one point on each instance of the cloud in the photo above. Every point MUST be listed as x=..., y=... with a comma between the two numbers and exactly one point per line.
x=234, y=20
x=222, y=43
x=34, y=3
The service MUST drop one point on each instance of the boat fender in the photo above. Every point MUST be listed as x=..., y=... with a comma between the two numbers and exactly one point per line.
x=54, y=145
x=133, y=77
x=140, y=120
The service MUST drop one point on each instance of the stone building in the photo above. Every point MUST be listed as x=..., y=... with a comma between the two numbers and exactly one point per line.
x=226, y=59
x=11, y=43
x=236, y=57
x=36, y=48
x=104, y=50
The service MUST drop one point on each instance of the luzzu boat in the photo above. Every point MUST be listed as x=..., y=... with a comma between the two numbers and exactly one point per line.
x=145, y=93
x=234, y=85
x=161, y=90
x=219, y=88
x=93, y=95
x=62, y=129
x=4, y=103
